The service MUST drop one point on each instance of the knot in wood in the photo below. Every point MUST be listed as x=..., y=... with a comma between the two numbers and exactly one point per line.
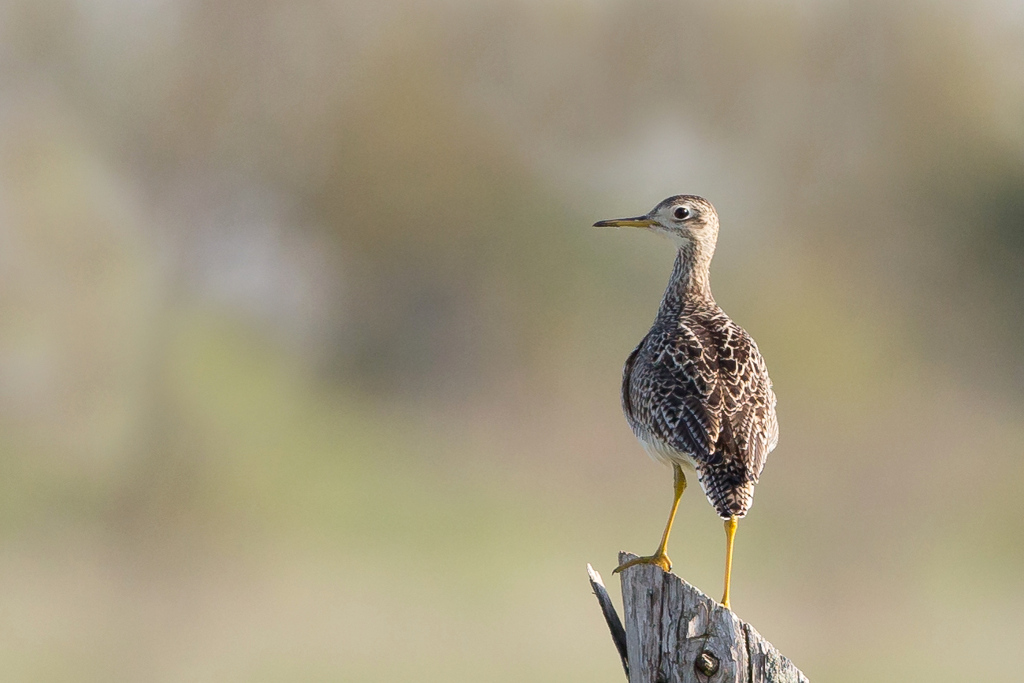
x=706, y=663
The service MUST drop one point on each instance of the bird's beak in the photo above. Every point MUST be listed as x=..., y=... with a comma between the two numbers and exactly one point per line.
x=638, y=222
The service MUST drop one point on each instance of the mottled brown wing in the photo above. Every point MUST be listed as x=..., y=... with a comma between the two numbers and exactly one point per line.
x=748, y=400
x=672, y=392
x=627, y=378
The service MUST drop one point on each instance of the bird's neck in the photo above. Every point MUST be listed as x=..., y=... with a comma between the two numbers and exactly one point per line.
x=690, y=284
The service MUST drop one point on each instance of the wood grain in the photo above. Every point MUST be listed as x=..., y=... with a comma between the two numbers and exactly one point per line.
x=676, y=634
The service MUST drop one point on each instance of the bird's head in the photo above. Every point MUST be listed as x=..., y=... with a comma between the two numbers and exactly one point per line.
x=690, y=221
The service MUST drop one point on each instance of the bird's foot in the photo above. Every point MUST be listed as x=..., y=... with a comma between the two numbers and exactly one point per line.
x=659, y=558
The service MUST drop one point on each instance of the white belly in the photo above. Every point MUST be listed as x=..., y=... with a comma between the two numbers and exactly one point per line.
x=664, y=453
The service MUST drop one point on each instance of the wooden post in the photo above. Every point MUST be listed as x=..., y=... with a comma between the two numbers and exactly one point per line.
x=676, y=634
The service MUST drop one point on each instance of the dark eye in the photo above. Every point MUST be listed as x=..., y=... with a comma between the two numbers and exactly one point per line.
x=680, y=213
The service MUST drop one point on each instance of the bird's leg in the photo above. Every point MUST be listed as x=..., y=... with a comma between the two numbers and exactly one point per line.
x=660, y=557
x=730, y=535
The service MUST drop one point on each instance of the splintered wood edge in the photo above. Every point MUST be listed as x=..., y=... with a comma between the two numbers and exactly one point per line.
x=610, y=616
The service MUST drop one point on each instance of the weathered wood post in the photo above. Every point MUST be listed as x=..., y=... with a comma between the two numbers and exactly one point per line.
x=676, y=634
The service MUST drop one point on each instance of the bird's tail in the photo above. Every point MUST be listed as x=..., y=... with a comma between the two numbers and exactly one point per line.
x=731, y=496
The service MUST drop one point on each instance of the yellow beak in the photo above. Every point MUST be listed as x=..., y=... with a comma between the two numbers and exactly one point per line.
x=638, y=222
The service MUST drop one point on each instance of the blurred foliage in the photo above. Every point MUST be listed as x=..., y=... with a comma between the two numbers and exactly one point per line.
x=309, y=363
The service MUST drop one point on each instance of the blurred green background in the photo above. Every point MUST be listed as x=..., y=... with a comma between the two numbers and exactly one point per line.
x=309, y=360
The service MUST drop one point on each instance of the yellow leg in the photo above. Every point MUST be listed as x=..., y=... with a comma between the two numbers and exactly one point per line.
x=730, y=535
x=660, y=557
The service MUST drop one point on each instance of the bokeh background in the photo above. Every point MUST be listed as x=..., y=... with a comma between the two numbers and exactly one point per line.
x=309, y=360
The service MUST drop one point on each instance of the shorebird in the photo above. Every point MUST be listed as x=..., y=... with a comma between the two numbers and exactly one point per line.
x=696, y=390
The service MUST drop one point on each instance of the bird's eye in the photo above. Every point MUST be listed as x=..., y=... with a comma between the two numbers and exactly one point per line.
x=680, y=213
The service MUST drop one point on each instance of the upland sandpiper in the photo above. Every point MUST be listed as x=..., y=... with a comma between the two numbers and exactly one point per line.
x=696, y=390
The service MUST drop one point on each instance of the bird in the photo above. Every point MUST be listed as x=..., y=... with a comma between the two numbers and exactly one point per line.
x=696, y=390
